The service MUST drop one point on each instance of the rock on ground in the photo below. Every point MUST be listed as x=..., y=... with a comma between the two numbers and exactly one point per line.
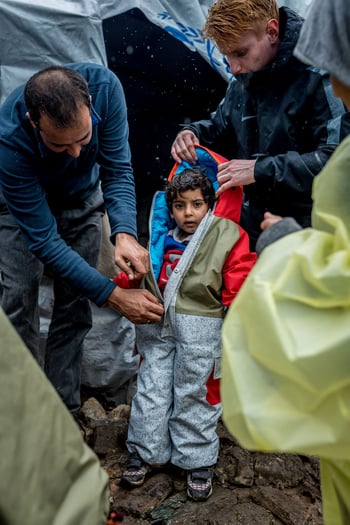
x=249, y=488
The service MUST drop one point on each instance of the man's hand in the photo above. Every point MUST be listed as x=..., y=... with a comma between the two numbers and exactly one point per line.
x=235, y=172
x=269, y=220
x=130, y=256
x=139, y=306
x=183, y=147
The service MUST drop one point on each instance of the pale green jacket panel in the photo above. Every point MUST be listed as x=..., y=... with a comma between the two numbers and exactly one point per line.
x=200, y=290
x=48, y=473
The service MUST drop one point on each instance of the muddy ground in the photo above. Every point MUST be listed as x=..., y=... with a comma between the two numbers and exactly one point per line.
x=250, y=488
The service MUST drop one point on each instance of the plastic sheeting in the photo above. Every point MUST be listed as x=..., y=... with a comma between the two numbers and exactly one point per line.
x=45, y=32
x=37, y=34
x=110, y=361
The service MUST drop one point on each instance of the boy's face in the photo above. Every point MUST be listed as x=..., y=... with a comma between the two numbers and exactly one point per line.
x=188, y=210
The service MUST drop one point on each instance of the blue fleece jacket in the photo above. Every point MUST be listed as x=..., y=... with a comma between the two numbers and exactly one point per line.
x=35, y=181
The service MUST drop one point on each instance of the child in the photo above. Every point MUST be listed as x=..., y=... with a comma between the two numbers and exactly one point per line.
x=197, y=269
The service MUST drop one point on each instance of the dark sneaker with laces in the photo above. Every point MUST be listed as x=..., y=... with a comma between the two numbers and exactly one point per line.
x=135, y=473
x=199, y=484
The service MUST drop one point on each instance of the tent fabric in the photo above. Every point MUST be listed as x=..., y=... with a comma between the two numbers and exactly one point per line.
x=286, y=337
x=48, y=473
x=166, y=84
x=34, y=35
x=37, y=34
x=183, y=19
x=61, y=31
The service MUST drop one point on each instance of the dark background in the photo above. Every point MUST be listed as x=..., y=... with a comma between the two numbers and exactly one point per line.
x=166, y=84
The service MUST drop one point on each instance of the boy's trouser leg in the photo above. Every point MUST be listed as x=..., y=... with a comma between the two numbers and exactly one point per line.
x=151, y=407
x=194, y=419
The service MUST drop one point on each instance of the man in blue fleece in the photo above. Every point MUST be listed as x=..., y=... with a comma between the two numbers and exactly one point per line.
x=65, y=158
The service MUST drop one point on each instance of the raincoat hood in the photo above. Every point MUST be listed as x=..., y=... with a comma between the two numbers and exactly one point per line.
x=327, y=21
x=331, y=210
x=160, y=219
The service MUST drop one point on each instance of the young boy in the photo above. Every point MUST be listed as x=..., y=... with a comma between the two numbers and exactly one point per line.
x=197, y=269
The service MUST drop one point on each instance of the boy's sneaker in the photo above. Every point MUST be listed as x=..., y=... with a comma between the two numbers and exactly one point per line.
x=199, y=485
x=135, y=473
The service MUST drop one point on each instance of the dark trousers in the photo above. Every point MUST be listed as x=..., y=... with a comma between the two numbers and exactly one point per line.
x=20, y=276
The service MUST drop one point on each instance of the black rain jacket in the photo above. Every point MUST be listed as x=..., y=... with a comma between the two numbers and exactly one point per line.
x=287, y=117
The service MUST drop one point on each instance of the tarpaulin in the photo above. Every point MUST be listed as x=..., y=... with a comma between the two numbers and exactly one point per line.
x=37, y=34
x=45, y=32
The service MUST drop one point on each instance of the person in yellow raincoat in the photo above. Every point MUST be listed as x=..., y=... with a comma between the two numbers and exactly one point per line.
x=286, y=338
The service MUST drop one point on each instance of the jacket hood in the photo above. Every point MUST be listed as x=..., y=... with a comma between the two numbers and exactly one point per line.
x=227, y=205
x=206, y=159
x=331, y=210
x=324, y=40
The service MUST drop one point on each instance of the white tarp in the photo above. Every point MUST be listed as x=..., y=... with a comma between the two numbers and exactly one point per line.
x=37, y=34
x=45, y=32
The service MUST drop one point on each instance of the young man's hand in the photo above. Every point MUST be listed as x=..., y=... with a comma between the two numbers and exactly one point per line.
x=235, y=172
x=183, y=147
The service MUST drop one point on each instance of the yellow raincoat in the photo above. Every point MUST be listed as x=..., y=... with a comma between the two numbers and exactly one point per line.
x=286, y=343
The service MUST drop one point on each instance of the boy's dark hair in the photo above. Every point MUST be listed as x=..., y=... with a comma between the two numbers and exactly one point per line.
x=58, y=92
x=190, y=179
